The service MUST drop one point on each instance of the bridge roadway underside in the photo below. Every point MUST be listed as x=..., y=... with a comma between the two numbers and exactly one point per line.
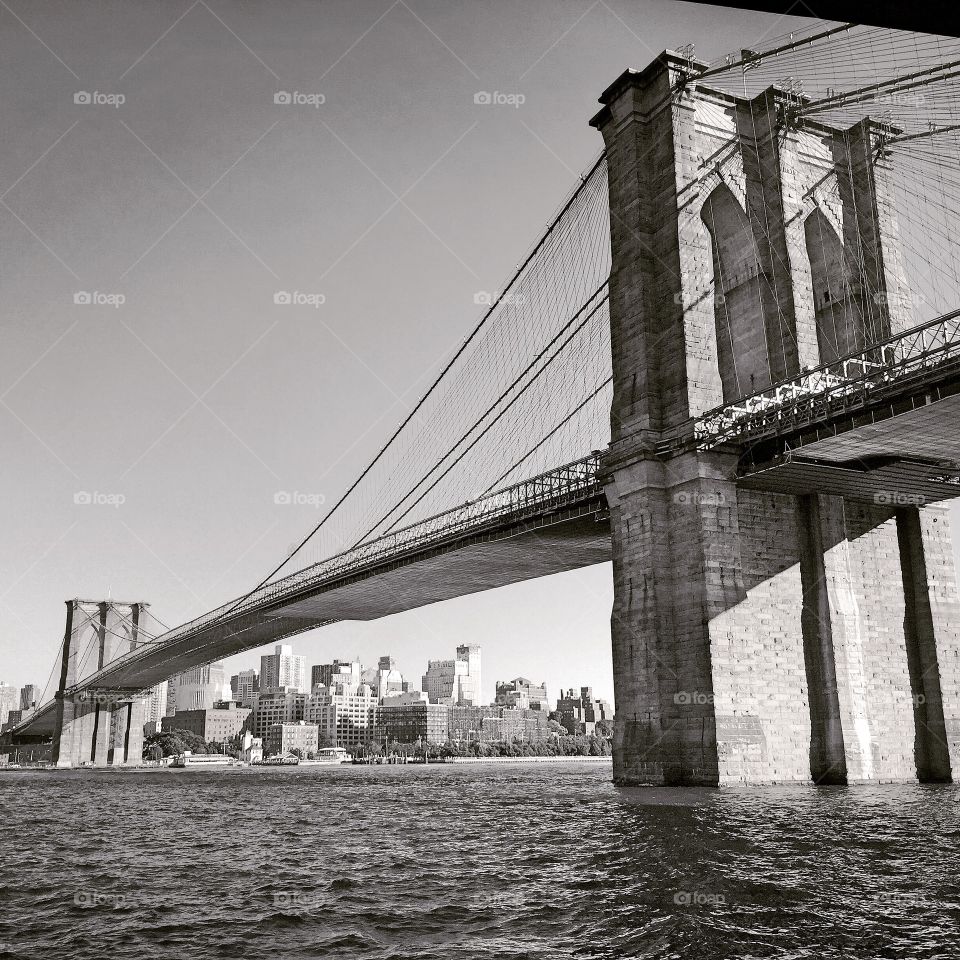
x=566, y=540
x=885, y=455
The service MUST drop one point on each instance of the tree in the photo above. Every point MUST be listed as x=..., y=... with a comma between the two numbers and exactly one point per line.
x=604, y=728
x=297, y=752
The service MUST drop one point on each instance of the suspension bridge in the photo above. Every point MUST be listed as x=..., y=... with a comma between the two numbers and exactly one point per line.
x=739, y=339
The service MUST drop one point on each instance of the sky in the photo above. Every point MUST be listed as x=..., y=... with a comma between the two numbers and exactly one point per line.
x=146, y=433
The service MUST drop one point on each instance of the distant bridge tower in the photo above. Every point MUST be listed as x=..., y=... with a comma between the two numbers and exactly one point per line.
x=757, y=636
x=98, y=726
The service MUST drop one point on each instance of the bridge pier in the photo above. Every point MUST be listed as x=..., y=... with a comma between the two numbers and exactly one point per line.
x=97, y=727
x=758, y=637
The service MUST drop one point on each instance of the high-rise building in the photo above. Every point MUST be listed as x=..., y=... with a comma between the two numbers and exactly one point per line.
x=345, y=714
x=340, y=671
x=276, y=706
x=411, y=718
x=522, y=694
x=581, y=713
x=198, y=688
x=29, y=694
x=243, y=686
x=456, y=681
x=386, y=680
x=155, y=703
x=283, y=668
x=9, y=700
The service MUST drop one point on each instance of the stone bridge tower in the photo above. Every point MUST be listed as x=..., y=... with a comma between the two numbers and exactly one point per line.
x=758, y=637
x=98, y=726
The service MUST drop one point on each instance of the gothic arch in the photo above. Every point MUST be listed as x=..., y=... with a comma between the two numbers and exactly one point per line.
x=741, y=335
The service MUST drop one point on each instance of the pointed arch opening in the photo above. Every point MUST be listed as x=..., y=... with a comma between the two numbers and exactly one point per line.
x=741, y=335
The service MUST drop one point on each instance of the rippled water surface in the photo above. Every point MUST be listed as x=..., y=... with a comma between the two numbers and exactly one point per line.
x=450, y=861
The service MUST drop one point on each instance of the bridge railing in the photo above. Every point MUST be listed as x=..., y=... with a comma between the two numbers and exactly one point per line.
x=567, y=484
x=822, y=391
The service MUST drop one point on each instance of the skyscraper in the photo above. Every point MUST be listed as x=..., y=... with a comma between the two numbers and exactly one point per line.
x=386, y=679
x=9, y=700
x=29, y=694
x=340, y=671
x=455, y=682
x=244, y=685
x=283, y=668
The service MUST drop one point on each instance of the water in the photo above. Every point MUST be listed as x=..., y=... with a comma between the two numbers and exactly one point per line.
x=539, y=861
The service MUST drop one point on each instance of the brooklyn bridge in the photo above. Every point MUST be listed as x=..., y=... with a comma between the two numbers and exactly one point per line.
x=731, y=365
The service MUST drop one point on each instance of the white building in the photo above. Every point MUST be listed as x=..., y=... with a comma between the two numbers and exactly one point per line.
x=283, y=668
x=455, y=682
x=155, y=704
x=385, y=679
x=197, y=689
x=9, y=700
x=346, y=714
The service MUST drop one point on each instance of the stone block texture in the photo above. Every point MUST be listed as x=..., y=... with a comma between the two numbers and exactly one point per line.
x=757, y=637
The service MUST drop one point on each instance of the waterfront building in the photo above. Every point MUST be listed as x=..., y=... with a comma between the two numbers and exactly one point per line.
x=29, y=694
x=327, y=675
x=410, y=717
x=385, y=680
x=220, y=723
x=283, y=668
x=580, y=713
x=496, y=724
x=286, y=737
x=243, y=686
x=276, y=706
x=251, y=748
x=344, y=713
x=198, y=688
x=457, y=681
x=522, y=693
x=9, y=700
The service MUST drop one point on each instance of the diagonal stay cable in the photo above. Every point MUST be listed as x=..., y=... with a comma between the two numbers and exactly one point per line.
x=490, y=425
x=491, y=408
x=585, y=180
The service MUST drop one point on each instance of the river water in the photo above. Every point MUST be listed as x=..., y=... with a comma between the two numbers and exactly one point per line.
x=538, y=861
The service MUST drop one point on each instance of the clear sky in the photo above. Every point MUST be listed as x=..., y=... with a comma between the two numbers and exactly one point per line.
x=197, y=198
